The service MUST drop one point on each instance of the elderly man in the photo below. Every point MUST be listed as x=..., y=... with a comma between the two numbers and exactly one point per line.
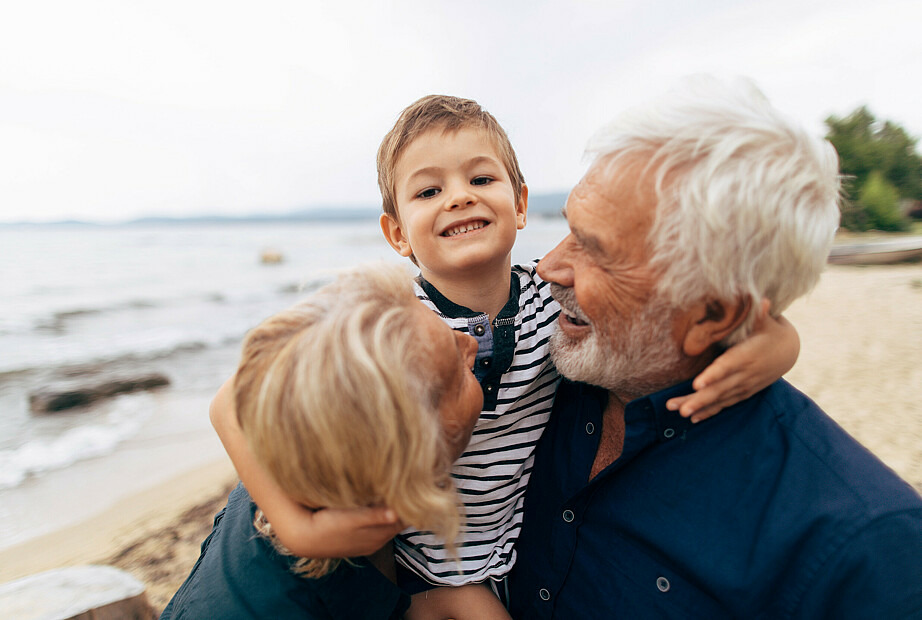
x=693, y=211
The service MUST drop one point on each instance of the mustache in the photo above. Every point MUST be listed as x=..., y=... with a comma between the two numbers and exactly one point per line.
x=565, y=296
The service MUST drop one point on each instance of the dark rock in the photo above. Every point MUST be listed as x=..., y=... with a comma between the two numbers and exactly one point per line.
x=51, y=399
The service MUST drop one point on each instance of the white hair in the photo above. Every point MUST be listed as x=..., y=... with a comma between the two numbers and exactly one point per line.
x=747, y=201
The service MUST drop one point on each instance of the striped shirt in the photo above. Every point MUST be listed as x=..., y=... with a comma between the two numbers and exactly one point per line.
x=518, y=382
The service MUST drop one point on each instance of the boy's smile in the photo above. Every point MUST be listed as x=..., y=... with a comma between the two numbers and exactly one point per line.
x=464, y=227
x=458, y=212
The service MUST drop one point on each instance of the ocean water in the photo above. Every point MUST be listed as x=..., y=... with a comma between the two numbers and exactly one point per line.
x=79, y=303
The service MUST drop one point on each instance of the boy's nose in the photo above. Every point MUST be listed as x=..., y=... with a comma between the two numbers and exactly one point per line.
x=460, y=196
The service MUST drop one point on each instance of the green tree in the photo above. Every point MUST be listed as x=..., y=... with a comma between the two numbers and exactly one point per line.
x=866, y=146
x=881, y=202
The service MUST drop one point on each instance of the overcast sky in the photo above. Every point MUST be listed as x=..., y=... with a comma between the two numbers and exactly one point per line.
x=111, y=110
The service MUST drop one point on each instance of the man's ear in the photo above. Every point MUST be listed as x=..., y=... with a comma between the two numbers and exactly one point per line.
x=710, y=321
x=521, y=208
x=394, y=235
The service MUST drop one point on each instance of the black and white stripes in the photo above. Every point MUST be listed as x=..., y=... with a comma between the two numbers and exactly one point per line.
x=491, y=476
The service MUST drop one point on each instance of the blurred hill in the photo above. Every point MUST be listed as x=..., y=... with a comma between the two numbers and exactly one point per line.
x=541, y=205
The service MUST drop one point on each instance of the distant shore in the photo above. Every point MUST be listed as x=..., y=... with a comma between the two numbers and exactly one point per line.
x=860, y=360
x=548, y=204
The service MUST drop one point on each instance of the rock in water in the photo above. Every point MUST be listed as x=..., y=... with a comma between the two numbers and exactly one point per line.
x=271, y=257
x=51, y=399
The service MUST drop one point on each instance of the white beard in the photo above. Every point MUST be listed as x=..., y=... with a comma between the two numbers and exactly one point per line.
x=635, y=358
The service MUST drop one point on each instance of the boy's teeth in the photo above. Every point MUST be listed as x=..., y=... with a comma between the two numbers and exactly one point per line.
x=463, y=228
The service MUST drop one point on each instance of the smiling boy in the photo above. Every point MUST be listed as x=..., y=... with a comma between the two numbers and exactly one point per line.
x=454, y=199
x=456, y=209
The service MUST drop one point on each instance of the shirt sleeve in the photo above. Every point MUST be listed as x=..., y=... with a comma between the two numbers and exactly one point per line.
x=877, y=573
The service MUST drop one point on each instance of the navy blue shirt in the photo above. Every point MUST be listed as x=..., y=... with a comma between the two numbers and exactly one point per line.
x=240, y=575
x=768, y=510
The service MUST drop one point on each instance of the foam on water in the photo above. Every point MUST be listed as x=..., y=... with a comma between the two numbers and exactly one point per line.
x=83, y=442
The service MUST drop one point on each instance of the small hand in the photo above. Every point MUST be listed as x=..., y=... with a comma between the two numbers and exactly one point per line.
x=742, y=370
x=346, y=532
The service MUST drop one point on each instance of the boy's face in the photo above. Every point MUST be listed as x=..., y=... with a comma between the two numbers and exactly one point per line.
x=456, y=208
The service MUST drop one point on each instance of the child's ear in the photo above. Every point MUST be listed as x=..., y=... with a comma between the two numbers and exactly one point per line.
x=521, y=208
x=394, y=235
x=709, y=322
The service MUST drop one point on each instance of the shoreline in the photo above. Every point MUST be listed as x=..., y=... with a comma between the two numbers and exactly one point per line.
x=109, y=534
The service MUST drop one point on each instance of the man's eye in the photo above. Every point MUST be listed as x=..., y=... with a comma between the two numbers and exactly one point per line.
x=428, y=193
x=481, y=181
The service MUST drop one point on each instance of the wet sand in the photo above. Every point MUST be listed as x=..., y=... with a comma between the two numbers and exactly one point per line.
x=861, y=360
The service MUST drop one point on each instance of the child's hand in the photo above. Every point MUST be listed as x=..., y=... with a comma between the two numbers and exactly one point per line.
x=343, y=533
x=742, y=370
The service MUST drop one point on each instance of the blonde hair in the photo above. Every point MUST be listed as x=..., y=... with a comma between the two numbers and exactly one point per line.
x=449, y=114
x=335, y=401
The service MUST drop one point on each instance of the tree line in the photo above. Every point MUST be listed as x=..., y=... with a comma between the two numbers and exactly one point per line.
x=882, y=172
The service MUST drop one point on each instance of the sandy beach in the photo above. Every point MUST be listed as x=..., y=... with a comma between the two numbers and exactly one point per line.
x=861, y=360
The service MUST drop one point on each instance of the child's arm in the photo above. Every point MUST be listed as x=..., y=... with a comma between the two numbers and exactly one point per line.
x=743, y=369
x=327, y=533
x=471, y=602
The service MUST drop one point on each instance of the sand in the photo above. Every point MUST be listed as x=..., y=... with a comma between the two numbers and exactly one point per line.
x=154, y=534
x=861, y=360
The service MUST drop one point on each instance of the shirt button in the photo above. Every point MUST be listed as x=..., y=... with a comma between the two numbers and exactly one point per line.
x=479, y=330
x=590, y=428
x=668, y=433
x=489, y=388
x=662, y=584
x=485, y=362
x=568, y=516
x=544, y=594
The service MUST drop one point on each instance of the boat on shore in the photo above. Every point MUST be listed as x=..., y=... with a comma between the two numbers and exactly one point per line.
x=887, y=252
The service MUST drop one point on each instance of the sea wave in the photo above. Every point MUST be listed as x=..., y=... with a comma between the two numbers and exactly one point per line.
x=75, y=444
x=59, y=320
x=105, y=362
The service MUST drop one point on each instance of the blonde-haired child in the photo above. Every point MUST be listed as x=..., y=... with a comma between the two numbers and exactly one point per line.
x=358, y=396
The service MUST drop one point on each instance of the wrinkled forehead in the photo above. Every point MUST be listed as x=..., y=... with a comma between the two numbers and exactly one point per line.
x=612, y=209
x=615, y=186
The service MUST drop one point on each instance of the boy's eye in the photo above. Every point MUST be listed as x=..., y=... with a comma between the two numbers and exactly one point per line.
x=428, y=193
x=481, y=181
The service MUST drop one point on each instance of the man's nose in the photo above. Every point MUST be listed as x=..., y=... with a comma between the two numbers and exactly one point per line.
x=556, y=267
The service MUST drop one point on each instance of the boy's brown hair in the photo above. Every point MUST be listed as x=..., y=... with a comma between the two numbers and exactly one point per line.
x=449, y=114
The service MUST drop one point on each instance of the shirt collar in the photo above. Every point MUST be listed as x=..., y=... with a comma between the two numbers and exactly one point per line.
x=455, y=311
x=651, y=410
